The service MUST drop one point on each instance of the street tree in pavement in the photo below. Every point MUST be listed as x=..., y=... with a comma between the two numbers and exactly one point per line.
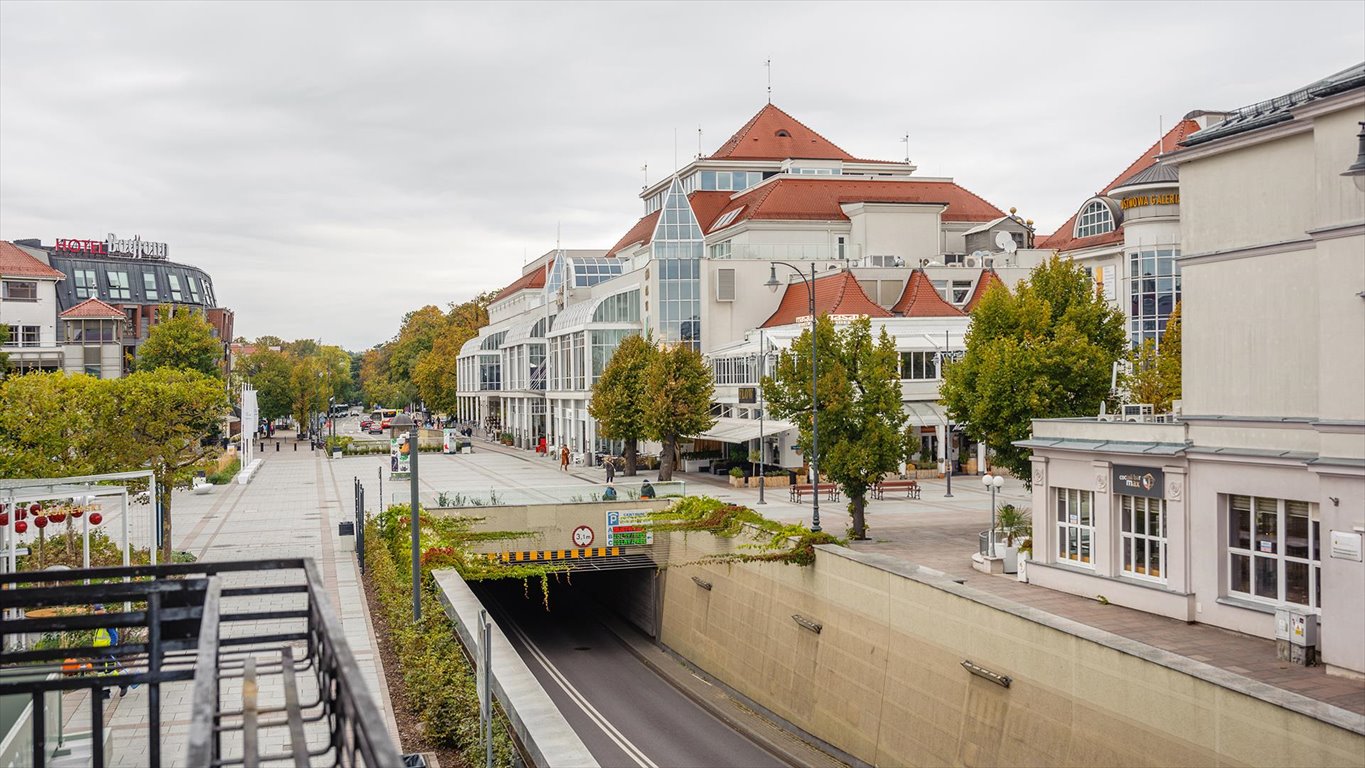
x=1044, y=351
x=860, y=416
x=677, y=400
x=618, y=399
x=4, y=356
x=272, y=375
x=181, y=339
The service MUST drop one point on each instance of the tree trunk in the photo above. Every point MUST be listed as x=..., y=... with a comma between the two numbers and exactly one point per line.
x=163, y=493
x=667, y=457
x=632, y=449
x=859, y=505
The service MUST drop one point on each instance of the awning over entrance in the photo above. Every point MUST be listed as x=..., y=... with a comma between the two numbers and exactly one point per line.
x=925, y=414
x=743, y=430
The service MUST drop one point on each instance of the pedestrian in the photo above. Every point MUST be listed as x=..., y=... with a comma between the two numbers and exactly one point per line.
x=610, y=493
x=107, y=637
x=647, y=490
x=564, y=458
x=611, y=470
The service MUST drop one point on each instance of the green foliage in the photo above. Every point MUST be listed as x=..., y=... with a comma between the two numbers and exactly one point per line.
x=434, y=372
x=1045, y=351
x=860, y=416
x=53, y=424
x=1155, y=375
x=181, y=339
x=677, y=400
x=4, y=356
x=225, y=475
x=272, y=374
x=618, y=398
x=736, y=472
x=794, y=544
x=1013, y=522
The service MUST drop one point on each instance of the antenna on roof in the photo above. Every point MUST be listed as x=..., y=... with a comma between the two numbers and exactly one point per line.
x=645, y=169
x=559, y=225
x=1160, y=134
x=699, y=142
x=769, y=65
x=906, y=139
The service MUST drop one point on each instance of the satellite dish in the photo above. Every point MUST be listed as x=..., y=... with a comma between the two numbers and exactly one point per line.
x=1005, y=241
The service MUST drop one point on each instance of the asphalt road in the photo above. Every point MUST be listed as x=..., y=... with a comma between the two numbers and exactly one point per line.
x=626, y=715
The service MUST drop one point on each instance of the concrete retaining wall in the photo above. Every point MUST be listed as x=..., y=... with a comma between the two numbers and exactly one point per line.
x=884, y=681
x=551, y=525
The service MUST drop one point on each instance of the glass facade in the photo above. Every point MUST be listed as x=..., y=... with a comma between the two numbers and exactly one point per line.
x=1154, y=290
x=604, y=345
x=621, y=308
x=729, y=181
x=677, y=250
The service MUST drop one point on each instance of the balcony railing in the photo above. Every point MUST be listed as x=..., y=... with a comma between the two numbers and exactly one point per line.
x=251, y=648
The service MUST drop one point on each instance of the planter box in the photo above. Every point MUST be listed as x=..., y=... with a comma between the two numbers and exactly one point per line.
x=738, y=482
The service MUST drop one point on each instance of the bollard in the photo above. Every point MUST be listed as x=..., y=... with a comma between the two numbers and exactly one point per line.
x=277, y=446
x=296, y=447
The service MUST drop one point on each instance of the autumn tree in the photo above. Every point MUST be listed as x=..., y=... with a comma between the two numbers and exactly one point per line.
x=677, y=400
x=1044, y=351
x=271, y=373
x=618, y=398
x=52, y=424
x=375, y=383
x=435, y=372
x=181, y=339
x=859, y=406
x=1154, y=374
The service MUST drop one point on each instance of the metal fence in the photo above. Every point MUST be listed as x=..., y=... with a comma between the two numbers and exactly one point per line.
x=257, y=644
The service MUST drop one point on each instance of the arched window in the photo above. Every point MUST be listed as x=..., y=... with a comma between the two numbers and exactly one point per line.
x=1095, y=219
x=782, y=134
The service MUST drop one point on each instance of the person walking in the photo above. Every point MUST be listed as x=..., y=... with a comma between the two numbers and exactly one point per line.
x=647, y=490
x=564, y=458
x=611, y=470
x=107, y=637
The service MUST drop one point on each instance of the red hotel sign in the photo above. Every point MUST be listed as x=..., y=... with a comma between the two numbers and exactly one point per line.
x=94, y=247
x=133, y=248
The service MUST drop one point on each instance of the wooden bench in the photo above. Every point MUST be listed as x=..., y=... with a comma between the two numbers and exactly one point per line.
x=910, y=487
x=800, y=489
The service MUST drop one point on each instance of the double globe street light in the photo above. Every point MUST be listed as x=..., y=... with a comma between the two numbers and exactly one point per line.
x=773, y=285
x=995, y=483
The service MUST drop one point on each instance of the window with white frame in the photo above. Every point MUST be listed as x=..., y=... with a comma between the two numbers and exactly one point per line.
x=1142, y=523
x=149, y=286
x=118, y=285
x=720, y=250
x=919, y=366
x=85, y=283
x=962, y=290
x=1075, y=526
x=21, y=290
x=23, y=336
x=1273, y=550
x=174, y=282
x=1095, y=219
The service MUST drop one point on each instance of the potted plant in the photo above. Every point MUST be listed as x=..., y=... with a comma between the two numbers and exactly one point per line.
x=736, y=477
x=1011, y=524
x=1025, y=554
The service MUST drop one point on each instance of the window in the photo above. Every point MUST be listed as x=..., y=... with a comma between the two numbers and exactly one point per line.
x=1143, y=525
x=727, y=219
x=620, y=308
x=1095, y=219
x=919, y=366
x=1273, y=550
x=193, y=283
x=1075, y=525
x=85, y=283
x=149, y=286
x=725, y=285
x=21, y=290
x=962, y=290
x=721, y=250
x=729, y=181
x=604, y=345
x=23, y=336
x=174, y=282
x=782, y=134
x=118, y=285
x=1154, y=290
x=677, y=250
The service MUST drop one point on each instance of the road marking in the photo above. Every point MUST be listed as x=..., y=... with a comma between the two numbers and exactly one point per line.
x=633, y=752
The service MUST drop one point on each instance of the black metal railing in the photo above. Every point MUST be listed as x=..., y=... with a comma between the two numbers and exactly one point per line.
x=243, y=628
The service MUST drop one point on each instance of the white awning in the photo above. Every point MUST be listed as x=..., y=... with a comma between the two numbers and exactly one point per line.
x=744, y=430
x=925, y=414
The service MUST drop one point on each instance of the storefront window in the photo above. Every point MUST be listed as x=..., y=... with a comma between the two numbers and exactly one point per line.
x=1273, y=550
x=1143, y=525
x=1075, y=525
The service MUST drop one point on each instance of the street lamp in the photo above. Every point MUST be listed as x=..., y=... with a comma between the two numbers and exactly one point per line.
x=398, y=425
x=1357, y=172
x=773, y=285
x=947, y=425
x=995, y=483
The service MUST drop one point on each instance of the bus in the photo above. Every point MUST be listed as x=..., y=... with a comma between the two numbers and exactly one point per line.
x=379, y=420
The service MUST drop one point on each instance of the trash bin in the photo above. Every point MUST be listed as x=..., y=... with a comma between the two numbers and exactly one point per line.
x=346, y=528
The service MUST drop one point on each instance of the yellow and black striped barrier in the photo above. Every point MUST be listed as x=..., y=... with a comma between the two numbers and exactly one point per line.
x=537, y=555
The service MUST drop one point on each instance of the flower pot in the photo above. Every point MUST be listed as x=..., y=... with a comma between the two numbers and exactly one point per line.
x=738, y=482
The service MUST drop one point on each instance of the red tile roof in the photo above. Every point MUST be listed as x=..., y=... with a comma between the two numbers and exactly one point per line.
x=762, y=138
x=835, y=294
x=988, y=278
x=533, y=279
x=91, y=308
x=16, y=262
x=820, y=198
x=1061, y=240
x=706, y=206
x=921, y=299
x=641, y=233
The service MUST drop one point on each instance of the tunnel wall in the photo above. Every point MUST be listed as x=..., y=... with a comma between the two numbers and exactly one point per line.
x=883, y=678
x=549, y=526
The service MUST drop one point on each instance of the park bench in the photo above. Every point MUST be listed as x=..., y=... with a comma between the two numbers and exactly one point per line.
x=910, y=487
x=800, y=489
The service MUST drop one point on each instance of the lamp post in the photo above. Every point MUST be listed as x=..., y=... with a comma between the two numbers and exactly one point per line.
x=400, y=424
x=947, y=425
x=762, y=448
x=1356, y=173
x=995, y=483
x=773, y=285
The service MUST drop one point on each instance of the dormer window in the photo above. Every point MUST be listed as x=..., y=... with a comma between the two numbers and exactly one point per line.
x=782, y=134
x=1096, y=218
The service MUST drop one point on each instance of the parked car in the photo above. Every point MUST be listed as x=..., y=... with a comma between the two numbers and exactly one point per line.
x=376, y=428
x=365, y=424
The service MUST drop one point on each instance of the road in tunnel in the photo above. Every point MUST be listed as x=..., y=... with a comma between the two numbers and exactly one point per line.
x=626, y=714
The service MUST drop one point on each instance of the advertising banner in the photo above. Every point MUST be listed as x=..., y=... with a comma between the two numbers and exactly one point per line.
x=450, y=440
x=400, y=456
x=1148, y=482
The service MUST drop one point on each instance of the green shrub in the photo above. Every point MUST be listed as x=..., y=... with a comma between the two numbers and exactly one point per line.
x=225, y=476
x=736, y=472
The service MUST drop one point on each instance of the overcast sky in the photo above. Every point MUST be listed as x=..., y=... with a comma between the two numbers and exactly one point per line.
x=333, y=166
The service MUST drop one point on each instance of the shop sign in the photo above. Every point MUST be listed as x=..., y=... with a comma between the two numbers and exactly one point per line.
x=748, y=394
x=1140, y=201
x=1346, y=545
x=136, y=248
x=629, y=528
x=1139, y=481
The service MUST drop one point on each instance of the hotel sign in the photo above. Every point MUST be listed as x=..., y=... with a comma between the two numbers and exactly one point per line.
x=1139, y=481
x=1139, y=201
x=136, y=248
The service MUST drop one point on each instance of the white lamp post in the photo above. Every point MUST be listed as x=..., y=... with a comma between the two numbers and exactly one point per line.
x=995, y=483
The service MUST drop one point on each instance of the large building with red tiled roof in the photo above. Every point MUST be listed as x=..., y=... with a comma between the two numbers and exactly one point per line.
x=877, y=240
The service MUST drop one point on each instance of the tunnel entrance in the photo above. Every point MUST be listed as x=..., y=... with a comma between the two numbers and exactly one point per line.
x=631, y=594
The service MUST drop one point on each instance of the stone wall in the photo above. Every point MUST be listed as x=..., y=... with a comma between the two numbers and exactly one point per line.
x=883, y=678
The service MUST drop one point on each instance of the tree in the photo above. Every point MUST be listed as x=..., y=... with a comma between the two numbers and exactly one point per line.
x=272, y=374
x=618, y=402
x=1155, y=374
x=1045, y=351
x=181, y=339
x=435, y=372
x=308, y=376
x=860, y=415
x=375, y=383
x=162, y=417
x=4, y=356
x=677, y=400
x=52, y=424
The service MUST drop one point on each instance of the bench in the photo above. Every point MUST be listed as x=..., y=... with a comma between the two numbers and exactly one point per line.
x=800, y=489
x=910, y=487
